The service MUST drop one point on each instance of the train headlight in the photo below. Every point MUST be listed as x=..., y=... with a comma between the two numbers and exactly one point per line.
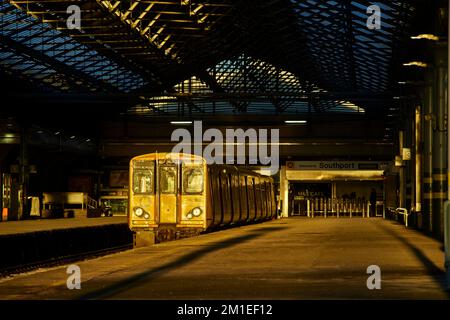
x=196, y=212
x=139, y=212
x=190, y=216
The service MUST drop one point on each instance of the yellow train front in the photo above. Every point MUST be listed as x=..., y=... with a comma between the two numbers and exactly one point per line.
x=176, y=195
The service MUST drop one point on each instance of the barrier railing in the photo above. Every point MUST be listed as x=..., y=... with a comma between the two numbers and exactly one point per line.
x=404, y=212
x=337, y=207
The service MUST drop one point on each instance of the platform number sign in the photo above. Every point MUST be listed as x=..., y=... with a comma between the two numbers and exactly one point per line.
x=406, y=154
x=74, y=279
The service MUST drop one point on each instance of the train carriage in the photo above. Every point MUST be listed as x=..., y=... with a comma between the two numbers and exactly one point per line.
x=175, y=195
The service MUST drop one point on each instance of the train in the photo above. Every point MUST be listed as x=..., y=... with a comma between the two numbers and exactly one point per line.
x=176, y=195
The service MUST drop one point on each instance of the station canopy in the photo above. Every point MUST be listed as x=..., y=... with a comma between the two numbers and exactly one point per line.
x=189, y=58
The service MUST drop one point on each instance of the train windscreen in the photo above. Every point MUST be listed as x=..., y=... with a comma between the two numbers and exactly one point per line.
x=192, y=179
x=168, y=179
x=143, y=177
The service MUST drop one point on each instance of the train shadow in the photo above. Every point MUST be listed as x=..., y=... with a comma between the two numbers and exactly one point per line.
x=184, y=260
x=434, y=271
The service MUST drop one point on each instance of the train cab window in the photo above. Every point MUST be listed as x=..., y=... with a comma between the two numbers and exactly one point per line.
x=167, y=179
x=192, y=180
x=143, y=177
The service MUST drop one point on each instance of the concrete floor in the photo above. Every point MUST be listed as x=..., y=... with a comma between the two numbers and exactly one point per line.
x=26, y=226
x=284, y=259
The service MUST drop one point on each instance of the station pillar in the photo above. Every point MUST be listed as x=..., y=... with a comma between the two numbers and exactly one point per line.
x=402, y=180
x=284, y=192
x=440, y=187
x=23, y=174
x=418, y=166
x=429, y=126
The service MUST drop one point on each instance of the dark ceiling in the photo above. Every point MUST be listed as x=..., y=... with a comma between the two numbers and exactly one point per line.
x=189, y=59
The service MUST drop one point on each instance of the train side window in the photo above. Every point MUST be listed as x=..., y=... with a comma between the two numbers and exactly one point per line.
x=226, y=194
x=243, y=195
x=193, y=180
x=216, y=196
x=269, y=195
x=143, y=177
x=168, y=179
x=230, y=189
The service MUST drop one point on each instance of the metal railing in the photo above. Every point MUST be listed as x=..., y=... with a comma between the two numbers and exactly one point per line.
x=337, y=207
x=404, y=212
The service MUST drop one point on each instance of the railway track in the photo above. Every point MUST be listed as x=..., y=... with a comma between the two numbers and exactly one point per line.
x=18, y=269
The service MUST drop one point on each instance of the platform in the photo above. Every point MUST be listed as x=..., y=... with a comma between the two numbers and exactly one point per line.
x=26, y=226
x=36, y=241
x=295, y=258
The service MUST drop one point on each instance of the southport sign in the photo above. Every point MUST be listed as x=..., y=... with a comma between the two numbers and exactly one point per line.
x=336, y=165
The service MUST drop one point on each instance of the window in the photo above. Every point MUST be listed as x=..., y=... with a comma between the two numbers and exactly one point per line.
x=168, y=179
x=192, y=180
x=143, y=177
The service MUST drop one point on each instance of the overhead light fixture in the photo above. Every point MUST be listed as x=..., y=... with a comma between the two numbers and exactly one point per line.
x=425, y=36
x=57, y=133
x=181, y=122
x=72, y=137
x=416, y=64
x=295, y=122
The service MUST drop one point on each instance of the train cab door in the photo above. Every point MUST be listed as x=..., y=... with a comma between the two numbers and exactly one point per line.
x=167, y=193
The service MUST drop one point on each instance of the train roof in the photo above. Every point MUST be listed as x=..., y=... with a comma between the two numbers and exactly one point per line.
x=187, y=156
x=169, y=155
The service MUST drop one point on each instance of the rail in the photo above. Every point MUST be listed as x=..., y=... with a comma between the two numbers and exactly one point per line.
x=17, y=269
x=337, y=207
x=403, y=212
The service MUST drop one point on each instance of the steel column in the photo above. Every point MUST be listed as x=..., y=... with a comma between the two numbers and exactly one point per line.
x=418, y=167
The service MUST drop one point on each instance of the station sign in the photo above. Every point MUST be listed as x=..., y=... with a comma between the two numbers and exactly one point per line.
x=336, y=165
x=406, y=154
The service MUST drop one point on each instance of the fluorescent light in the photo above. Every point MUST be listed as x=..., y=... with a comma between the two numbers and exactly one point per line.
x=426, y=36
x=295, y=122
x=416, y=64
x=180, y=122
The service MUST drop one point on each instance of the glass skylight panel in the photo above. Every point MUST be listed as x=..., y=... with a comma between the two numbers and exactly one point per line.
x=41, y=37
